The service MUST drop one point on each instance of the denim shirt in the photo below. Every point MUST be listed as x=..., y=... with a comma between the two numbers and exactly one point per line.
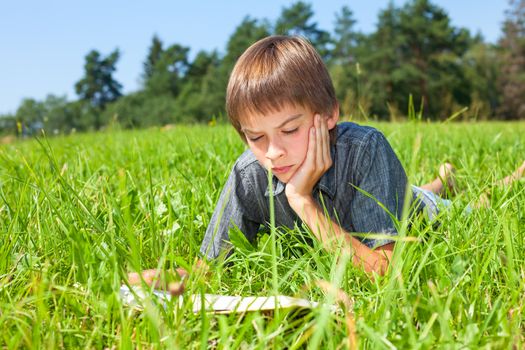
x=362, y=158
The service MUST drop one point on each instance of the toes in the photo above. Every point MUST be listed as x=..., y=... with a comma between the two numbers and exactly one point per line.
x=447, y=174
x=446, y=169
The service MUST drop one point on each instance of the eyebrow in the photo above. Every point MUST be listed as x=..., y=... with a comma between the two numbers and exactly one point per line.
x=286, y=121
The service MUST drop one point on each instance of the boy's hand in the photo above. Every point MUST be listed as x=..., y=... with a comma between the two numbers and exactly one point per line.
x=172, y=281
x=317, y=161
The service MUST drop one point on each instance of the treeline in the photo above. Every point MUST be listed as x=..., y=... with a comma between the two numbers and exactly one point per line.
x=415, y=57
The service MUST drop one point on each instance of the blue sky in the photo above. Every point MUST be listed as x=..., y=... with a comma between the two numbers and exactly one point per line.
x=43, y=43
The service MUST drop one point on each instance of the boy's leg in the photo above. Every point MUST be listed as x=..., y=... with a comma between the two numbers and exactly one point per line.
x=484, y=201
x=516, y=175
x=445, y=176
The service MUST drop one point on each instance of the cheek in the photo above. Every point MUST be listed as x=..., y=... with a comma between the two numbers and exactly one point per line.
x=300, y=143
x=259, y=150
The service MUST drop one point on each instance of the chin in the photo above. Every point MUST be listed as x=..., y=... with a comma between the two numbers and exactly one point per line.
x=284, y=179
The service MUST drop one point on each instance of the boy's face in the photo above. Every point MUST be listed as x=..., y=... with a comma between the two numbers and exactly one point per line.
x=279, y=139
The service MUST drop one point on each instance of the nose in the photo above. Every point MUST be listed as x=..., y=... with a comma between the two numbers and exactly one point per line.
x=275, y=150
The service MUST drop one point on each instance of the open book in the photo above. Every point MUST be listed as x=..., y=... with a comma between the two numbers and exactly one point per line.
x=223, y=304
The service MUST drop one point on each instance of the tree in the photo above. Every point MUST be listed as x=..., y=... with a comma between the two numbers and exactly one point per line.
x=297, y=20
x=481, y=64
x=154, y=54
x=380, y=56
x=30, y=111
x=165, y=69
x=345, y=38
x=202, y=95
x=139, y=109
x=58, y=115
x=418, y=52
x=343, y=62
x=98, y=87
x=247, y=32
x=213, y=85
x=8, y=124
x=200, y=66
x=512, y=71
x=432, y=49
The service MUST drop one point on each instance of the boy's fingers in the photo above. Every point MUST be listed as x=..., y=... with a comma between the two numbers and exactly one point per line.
x=181, y=273
x=327, y=155
x=156, y=277
x=323, y=153
x=176, y=288
x=310, y=154
x=319, y=133
x=322, y=126
x=135, y=278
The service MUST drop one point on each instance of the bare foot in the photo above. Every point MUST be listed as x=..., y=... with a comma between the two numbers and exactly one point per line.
x=484, y=201
x=445, y=183
x=516, y=175
x=447, y=175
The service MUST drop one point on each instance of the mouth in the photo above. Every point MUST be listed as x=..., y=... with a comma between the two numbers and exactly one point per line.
x=281, y=170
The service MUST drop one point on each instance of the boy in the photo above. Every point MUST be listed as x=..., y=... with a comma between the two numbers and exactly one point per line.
x=281, y=101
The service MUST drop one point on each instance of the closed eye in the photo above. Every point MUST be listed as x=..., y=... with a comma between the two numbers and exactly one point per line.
x=288, y=132
x=253, y=139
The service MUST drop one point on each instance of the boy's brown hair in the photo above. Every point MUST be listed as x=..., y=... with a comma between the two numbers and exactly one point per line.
x=278, y=71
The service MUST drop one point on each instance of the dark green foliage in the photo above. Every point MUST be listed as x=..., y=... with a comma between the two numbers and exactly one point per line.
x=417, y=52
x=343, y=62
x=512, y=72
x=61, y=115
x=154, y=54
x=202, y=96
x=30, y=111
x=55, y=114
x=140, y=109
x=345, y=38
x=200, y=66
x=98, y=88
x=8, y=124
x=297, y=20
x=210, y=98
x=481, y=66
x=247, y=32
x=415, y=60
x=167, y=70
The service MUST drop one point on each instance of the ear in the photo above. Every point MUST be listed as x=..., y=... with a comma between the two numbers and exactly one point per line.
x=333, y=118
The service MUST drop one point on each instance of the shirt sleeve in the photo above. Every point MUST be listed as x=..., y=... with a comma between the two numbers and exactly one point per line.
x=234, y=209
x=380, y=186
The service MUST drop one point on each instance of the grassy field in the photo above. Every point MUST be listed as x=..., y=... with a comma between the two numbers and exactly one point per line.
x=79, y=212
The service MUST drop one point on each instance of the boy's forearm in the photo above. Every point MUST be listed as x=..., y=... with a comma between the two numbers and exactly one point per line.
x=333, y=237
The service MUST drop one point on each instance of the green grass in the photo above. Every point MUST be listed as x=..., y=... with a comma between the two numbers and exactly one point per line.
x=78, y=212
